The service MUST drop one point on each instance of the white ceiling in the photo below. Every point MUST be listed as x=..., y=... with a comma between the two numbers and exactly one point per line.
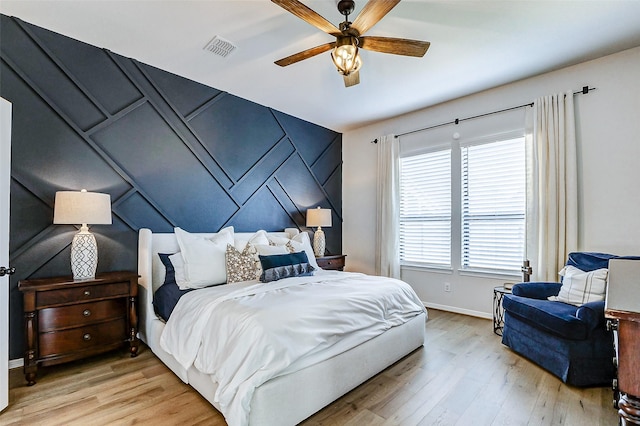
x=475, y=45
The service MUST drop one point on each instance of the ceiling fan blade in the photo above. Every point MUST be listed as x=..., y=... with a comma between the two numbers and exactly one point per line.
x=308, y=15
x=352, y=79
x=305, y=54
x=397, y=46
x=371, y=13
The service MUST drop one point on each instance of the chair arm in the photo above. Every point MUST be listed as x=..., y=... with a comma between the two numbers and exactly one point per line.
x=536, y=290
x=592, y=314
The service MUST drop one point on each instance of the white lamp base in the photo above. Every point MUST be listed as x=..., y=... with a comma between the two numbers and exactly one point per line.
x=84, y=255
x=319, y=242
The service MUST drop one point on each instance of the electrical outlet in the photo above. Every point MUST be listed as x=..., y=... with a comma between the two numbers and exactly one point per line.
x=447, y=286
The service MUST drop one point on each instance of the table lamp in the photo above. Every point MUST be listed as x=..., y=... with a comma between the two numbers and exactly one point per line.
x=74, y=208
x=319, y=217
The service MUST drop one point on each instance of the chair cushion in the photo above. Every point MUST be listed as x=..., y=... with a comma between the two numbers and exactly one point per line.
x=554, y=317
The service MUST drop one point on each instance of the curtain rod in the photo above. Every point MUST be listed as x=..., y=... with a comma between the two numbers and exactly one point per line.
x=583, y=91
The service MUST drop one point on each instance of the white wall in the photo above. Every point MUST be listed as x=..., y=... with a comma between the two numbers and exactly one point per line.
x=608, y=132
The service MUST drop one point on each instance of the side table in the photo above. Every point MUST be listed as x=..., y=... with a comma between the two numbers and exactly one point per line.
x=627, y=388
x=498, y=311
x=67, y=319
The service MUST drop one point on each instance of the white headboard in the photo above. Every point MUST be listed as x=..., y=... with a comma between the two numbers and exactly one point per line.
x=151, y=270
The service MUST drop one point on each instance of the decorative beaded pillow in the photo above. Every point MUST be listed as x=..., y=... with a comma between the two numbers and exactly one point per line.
x=242, y=265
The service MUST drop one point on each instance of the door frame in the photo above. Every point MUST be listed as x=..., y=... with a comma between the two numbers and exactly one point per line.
x=5, y=185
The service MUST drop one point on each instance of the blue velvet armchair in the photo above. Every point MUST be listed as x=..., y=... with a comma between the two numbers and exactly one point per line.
x=569, y=341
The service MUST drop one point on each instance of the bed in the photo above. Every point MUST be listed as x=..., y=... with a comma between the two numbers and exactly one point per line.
x=292, y=396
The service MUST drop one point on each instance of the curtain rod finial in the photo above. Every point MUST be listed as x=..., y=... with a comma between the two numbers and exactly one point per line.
x=374, y=141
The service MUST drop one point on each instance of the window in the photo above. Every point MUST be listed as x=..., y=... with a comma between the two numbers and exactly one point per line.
x=493, y=205
x=488, y=200
x=425, y=209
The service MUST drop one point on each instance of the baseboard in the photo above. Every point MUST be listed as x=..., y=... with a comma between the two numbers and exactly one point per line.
x=457, y=310
x=16, y=363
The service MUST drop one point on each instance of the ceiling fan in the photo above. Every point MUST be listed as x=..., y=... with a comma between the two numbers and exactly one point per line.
x=349, y=37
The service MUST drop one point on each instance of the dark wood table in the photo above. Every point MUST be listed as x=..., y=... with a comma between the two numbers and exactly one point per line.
x=334, y=262
x=67, y=319
x=627, y=325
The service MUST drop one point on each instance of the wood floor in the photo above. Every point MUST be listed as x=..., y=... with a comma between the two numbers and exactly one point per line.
x=462, y=376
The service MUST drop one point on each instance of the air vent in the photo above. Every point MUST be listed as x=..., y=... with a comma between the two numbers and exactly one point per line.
x=220, y=46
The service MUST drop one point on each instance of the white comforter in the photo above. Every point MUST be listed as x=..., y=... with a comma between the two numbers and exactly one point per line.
x=245, y=334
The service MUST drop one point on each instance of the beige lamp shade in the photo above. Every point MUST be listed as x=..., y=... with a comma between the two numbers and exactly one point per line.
x=318, y=217
x=82, y=207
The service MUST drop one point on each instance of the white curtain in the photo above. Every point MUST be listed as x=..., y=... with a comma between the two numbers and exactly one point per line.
x=388, y=207
x=552, y=193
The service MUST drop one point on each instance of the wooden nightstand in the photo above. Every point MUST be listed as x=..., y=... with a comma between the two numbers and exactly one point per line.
x=332, y=262
x=66, y=320
x=626, y=386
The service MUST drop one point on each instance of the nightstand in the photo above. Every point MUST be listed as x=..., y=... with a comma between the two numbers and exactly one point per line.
x=332, y=262
x=68, y=319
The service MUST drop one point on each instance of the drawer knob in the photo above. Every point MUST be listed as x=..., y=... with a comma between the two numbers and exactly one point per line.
x=87, y=293
x=86, y=337
x=86, y=312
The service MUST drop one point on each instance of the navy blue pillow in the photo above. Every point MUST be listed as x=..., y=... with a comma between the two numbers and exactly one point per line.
x=166, y=297
x=280, y=266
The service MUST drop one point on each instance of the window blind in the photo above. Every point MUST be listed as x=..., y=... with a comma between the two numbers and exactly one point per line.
x=425, y=209
x=493, y=205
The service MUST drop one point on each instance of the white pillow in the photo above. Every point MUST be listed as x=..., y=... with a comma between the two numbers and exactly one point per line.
x=579, y=287
x=302, y=242
x=278, y=241
x=204, y=257
x=259, y=238
x=178, y=268
x=268, y=250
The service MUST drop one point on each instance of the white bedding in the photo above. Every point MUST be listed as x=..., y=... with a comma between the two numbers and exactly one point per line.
x=244, y=334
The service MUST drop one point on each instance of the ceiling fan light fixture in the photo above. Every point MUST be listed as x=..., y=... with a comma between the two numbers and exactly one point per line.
x=350, y=36
x=345, y=55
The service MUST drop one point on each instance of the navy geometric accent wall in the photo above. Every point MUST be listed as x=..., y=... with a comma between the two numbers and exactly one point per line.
x=170, y=152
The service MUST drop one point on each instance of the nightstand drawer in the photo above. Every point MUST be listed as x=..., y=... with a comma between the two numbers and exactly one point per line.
x=332, y=262
x=77, y=339
x=86, y=313
x=81, y=294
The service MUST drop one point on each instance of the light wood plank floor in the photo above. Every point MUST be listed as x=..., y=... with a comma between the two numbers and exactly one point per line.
x=462, y=376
